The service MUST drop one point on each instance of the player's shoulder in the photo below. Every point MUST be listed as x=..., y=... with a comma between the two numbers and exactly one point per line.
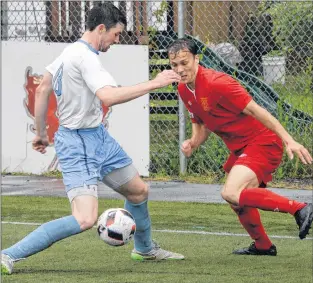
x=220, y=79
x=79, y=52
x=211, y=76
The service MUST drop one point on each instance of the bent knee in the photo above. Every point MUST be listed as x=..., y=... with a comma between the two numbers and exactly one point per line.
x=86, y=221
x=139, y=194
x=231, y=195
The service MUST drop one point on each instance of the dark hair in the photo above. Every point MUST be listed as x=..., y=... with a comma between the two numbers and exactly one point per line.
x=183, y=43
x=106, y=14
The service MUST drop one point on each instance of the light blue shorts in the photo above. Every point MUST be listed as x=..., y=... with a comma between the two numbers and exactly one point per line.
x=87, y=155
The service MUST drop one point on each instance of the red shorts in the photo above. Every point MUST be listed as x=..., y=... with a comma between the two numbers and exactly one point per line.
x=262, y=159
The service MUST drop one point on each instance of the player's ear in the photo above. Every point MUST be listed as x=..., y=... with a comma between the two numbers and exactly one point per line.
x=102, y=28
x=197, y=58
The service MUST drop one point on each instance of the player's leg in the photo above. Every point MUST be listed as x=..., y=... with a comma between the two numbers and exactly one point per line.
x=40, y=239
x=84, y=214
x=118, y=173
x=136, y=202
x=84, y=203
x=250, y=219
x=80, y=180
x=237, y=192
x=127, y=182
x=80, y=157
x=48, y=233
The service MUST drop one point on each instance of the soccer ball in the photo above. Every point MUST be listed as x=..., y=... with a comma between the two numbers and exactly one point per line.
x=116, y=227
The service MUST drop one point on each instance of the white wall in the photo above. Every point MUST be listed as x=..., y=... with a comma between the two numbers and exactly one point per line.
x=128, y=123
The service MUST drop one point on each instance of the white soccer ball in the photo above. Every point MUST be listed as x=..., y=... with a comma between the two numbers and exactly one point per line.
x=116, y=227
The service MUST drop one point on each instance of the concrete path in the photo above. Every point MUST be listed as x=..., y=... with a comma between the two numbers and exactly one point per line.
x=160, y=191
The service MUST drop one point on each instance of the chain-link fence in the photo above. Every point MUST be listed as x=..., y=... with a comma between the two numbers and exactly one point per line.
x=266, y=45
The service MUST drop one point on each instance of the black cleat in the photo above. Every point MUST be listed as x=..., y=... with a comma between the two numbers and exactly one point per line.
x=252, y=250
x=304, y=218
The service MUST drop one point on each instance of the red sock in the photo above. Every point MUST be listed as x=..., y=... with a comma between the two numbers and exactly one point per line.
x=249, y=218
x=266, y=200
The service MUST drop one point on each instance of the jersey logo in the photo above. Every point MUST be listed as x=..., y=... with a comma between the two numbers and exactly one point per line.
x=243, y=155
x=57, y=81
x=204, y=103
x=31, y=84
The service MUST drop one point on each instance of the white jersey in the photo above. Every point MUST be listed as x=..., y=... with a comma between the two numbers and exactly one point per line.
x=77, y=75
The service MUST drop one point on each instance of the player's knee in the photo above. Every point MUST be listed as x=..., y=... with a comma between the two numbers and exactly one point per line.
x=140, y=194
x=86, y=221
x=230, y=195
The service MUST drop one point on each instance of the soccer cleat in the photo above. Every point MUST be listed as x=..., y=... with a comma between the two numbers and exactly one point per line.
x=304, y=218
x=156, y=254
x=6, y=265
x=252, y=250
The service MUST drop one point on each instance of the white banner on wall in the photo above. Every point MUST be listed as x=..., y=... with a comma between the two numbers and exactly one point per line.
x=22, y=65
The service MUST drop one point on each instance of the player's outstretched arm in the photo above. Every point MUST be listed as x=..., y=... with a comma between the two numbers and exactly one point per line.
x=43, y=92
x=273, y=124
x=117, y=95
x=200, y=134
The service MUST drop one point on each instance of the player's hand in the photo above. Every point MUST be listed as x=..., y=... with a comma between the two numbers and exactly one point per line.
x=166, y=78
x=186, y=148
x=40, y=144
x=303, y=154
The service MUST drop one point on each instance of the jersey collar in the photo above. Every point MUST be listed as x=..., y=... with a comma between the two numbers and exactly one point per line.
x=89, y=46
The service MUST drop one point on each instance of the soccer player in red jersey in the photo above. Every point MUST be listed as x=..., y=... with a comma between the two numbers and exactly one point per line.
x=218, y=103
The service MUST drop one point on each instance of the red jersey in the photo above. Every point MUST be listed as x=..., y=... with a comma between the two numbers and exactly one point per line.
x=218, y=102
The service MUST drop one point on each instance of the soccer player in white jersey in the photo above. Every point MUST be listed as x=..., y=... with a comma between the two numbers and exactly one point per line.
x=86, y=151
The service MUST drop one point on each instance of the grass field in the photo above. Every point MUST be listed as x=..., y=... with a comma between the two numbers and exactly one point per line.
x=84, y=258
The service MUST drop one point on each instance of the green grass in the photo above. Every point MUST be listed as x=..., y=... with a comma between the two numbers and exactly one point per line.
x=84, y=258
x=159, y=61
x=300, y=101
x=164, y=117
x=297, y=92
x=164, y=103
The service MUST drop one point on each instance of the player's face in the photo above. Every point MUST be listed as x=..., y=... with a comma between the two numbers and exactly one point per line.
x=185, y=64
x=110, y=37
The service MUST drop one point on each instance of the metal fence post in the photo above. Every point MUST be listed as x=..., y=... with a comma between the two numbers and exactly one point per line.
x=4, y=20
x=181, y=106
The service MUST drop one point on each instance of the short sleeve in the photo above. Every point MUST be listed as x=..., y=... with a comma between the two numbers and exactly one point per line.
x=54, y=66
x=95, y=75
x=194, y=118
x=233, y=96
